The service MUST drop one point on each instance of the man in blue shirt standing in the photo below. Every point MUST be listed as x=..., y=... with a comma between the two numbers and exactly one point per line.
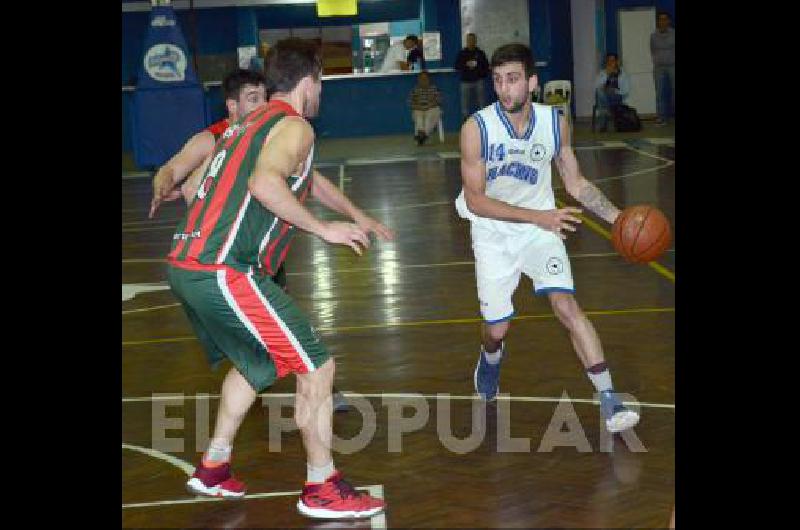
x=474, y=69
x=662, y=49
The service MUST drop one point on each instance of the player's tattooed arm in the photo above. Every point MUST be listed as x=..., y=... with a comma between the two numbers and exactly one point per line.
x=577, y=185
x=594, y=200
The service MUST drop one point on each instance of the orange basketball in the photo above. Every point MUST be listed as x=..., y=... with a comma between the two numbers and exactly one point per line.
x=641, y=234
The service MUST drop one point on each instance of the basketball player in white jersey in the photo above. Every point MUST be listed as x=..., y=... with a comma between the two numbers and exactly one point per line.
x=506, y=150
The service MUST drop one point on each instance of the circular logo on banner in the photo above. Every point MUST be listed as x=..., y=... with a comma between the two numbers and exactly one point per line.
x=538, y=152
x=555, y=266
x=165, y=62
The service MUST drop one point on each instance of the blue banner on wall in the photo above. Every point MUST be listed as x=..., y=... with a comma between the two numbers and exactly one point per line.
x=168, y=103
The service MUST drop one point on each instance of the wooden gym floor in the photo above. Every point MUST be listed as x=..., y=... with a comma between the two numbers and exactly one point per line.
x=403, y=324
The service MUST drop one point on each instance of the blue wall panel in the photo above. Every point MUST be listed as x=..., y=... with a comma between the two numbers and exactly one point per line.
x=379, y=106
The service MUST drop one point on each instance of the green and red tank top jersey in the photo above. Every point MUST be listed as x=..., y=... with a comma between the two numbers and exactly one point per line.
x=218, y=128
x=225, y=225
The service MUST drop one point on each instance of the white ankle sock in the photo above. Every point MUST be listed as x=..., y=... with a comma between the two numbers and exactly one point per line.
x=217, y=454
x=493, y=358
x=319, y=474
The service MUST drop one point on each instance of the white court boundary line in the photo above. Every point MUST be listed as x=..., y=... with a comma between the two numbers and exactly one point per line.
x=645, y=153
x=175, y=461
x=445, y=155
x=406, y=395
x=137, y=175
x=357, y=269
x=376, y=490
x=151, y=308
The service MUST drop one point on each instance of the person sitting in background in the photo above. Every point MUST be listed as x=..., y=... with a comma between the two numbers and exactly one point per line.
x=425, y=100
x=612, y=86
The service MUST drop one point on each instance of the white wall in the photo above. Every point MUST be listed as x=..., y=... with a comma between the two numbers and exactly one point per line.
x=635, y=28
x=495, y=22
x=586, y=56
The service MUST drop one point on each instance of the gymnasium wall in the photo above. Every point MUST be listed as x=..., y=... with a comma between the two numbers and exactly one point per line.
x=361, y=107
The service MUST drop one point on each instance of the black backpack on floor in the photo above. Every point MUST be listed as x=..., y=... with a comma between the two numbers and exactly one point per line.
x=626, y=119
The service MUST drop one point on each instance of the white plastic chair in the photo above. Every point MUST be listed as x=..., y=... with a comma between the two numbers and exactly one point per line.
x=440, y=128
x=564, y=86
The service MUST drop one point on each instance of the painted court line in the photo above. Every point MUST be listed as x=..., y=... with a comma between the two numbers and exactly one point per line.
x=368, y=269
x=177, y=462
x=477, y=320
x=379, y=521
x=407, y=395
x=357, y=270
x=625, y=175
x=377, y=161
x=342, y=180
x=376, y=490
x=668, y=274
x=251, y=496
x=389, y=325
x=645, y=153
x=662, y=141
x=152, y=308
x=136, y=175
x=411, y=266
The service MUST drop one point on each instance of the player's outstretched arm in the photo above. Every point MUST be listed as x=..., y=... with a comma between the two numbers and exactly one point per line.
x=473, y=178
x=189, y=188
x=285, y=150
x=577, y=185
x=329, y=195
x=171, y=174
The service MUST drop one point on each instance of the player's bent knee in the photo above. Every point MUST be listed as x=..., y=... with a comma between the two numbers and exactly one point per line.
x=497, y=332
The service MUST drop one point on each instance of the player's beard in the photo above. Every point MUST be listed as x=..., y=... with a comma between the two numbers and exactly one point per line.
x=516, y=107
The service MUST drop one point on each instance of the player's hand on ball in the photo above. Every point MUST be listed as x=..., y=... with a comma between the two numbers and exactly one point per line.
x=560, y=219
x=370, y=225
x=346, y=234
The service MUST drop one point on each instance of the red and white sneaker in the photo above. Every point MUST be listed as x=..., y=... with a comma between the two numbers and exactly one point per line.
x=215, y=482
x=336, y=499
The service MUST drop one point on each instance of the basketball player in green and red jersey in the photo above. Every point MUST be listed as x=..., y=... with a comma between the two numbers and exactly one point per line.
x=235, y=235
x=244, y=91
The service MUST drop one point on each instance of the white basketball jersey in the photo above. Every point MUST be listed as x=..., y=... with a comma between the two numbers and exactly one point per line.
x=517, y=167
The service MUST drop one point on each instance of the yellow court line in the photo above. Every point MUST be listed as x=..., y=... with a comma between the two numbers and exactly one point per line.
x=432, y=323
x=668, y=274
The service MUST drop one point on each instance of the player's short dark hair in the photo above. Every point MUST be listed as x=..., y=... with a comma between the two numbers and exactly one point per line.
x=514, y=53
x=659, y=13
x=289, y=61
x=412, y=38
x=234, y=82
x=612, y=54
